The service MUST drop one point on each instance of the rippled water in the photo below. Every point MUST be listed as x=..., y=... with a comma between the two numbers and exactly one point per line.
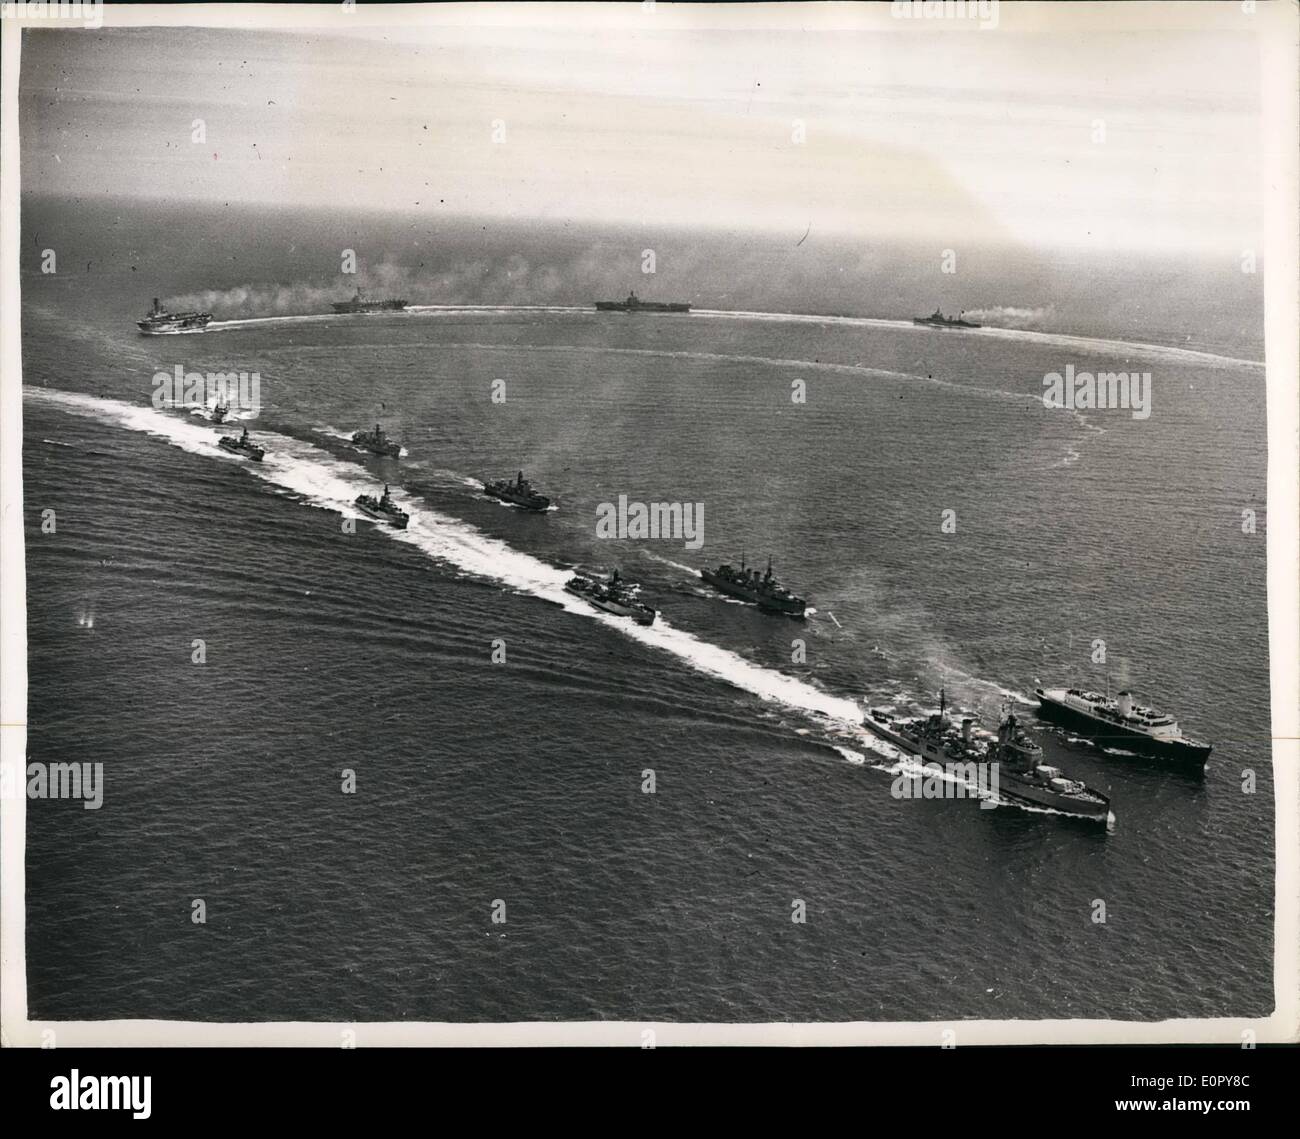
x=329, y=651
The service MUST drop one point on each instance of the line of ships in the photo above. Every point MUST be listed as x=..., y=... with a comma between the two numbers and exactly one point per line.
x=159, y=321
x=1023, y=776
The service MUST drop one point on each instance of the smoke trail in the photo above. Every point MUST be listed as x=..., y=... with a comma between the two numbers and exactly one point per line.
x=508, y=279
x=1008, y=316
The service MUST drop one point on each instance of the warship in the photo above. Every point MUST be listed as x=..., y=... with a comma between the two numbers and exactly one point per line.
x=615, y=596
x=1022, y=776
x=1025, y=778
x=1121, y=723
x=636, y=304
x=361, y=303
x=242, y=446
x=383, y=508
x=765, y=592
x=377, y=442
x=517, y=493
x=937, y=320
x=219, y=413
x=159, y=322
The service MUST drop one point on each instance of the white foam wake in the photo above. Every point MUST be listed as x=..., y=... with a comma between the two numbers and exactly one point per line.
x=1055, y=339
x=332, y=484
x=689, y=570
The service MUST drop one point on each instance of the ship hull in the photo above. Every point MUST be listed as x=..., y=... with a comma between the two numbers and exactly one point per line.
x=943, y=323
x=1012, y=787
x=921, y=748
x=398, y=523
x=790, y=607
x=176, y=328
x=1187, y=754
x=1093, y=806
x=645, y=306
x=385, y=451
x=234, y=449
x=641, y=614
x=540, y=504
x=376, y=306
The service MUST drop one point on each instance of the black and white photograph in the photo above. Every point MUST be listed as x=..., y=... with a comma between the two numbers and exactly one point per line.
x=649, y=524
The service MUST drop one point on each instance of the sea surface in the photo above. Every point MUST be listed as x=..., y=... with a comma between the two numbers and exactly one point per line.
x=332, y=645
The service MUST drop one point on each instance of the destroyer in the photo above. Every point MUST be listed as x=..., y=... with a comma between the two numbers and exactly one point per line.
x=159, y=322
x=765, y=592
x=613, y=596
x=1123, y=724
x=1022, y=777
x=361, y=303
x=636, y=304
x=219, y=413
x=517, y=493
x=242, y=446
x=937, y=320
x=384, y=509
x=377, y=442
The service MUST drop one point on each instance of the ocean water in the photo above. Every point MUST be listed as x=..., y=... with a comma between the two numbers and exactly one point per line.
x=520, y=781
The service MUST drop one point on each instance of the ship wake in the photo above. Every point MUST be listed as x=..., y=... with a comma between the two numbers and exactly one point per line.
x=323, y=481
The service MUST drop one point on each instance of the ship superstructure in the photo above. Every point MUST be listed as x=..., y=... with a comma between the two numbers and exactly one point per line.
x=1022, y=776
x=937, y=320
x=362, y=303
x=746, y=584
x=636, y=304
x=615, y=595
x=377, y=443
x=158, y=321
x=1124, y=724
x=520, y=492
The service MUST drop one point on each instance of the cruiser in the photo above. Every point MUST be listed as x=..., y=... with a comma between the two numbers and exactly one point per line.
x=377, y=442
x=765, y=592
x=613, y=596
x=636, y=304
x=517, y=493
x=1123, y=724
x=361, y=303
x=242, y=446
x=937, y=320
x=1023, y=778
x=383, y=508
x=159, y=322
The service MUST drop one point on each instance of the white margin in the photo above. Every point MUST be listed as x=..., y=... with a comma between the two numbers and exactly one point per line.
x=1280, y=97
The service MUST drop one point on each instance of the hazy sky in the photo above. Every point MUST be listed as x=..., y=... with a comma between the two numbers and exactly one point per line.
x=954, y=134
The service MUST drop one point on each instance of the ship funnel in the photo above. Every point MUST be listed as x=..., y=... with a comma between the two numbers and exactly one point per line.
x=1126, y=703
x=965, y=730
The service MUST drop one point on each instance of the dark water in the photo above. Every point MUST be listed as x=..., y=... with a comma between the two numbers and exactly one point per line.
x=521, y=781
